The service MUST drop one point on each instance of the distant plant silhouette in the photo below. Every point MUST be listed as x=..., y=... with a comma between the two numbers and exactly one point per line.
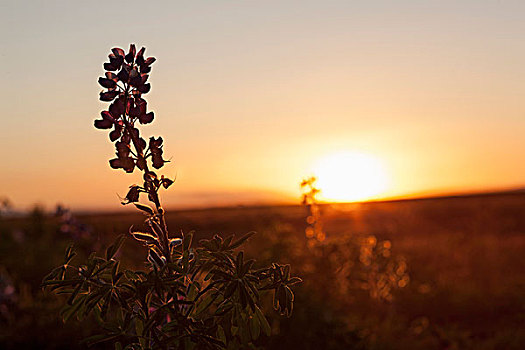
x=359, y=261
x=201, y=297
x=314, y=230
x=5, y=206
x=69, y=224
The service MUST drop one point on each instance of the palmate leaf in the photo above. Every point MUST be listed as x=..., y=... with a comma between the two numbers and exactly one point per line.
x=205, y=301
x=71, y=299
x=69, y=310
x=246, y=267
x=61, y=283
x=224, y=308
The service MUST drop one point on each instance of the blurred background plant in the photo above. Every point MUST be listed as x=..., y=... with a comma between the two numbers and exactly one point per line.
x=342, y=270
x=5, y=206
x=359, y=261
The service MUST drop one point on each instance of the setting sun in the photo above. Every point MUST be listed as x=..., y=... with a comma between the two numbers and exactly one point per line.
x=350, y=176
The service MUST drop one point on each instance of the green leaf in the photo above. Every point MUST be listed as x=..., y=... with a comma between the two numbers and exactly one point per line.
x=289, y=301
x=51, y=276
x=187, y=241
x=176, y=267
x=93, y=299
x=192, y=292
x=247, y=266
x=203, y=303
x=241, y=240
x=69, y=310
x=243, y=294
x=70, y=254
x=99, y=338
x=263, y=322
x=61, y=283
x=144, y=237
x=255, y=329
x=244, y=332
x=155, y=258
x=114, y=270
x=230, y=289
x=226, y=243
x=207, y=244
x=145, y=208
x=112, y=249
x=139, y=328
x=131, y=276
x=294, y=280
x=105, y=306
x=104, y=266
x=221, y=335
x=75, y=293
x=286, y=272
x=223, y=308
x=239, y=263
x=281, y=296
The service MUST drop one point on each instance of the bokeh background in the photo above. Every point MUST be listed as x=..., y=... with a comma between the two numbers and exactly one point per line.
x=250, y=97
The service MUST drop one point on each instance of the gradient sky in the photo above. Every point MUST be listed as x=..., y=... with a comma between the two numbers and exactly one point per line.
x=249, y=94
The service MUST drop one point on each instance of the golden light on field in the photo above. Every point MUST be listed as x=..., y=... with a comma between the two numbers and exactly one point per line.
x=350, y=176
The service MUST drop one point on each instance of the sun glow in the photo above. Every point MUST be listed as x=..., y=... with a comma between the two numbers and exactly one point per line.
x=350, y=176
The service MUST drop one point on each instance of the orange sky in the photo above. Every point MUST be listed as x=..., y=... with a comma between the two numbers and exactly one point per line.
x=250, y=95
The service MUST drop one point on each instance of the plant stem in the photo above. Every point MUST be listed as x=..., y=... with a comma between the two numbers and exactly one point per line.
x=153, y=194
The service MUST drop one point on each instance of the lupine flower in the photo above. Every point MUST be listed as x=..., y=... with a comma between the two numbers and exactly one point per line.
x=124, y=89
x=155, y=147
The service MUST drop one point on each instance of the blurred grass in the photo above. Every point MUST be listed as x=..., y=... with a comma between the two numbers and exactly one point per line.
x=466, y=258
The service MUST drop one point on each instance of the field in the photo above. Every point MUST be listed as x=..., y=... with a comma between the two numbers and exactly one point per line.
x=465, y=258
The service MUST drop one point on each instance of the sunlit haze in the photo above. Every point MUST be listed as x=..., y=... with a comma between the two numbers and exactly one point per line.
x=350, y=176
x=249, y=96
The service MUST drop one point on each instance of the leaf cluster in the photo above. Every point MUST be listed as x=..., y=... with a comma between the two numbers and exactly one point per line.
x=208, y=297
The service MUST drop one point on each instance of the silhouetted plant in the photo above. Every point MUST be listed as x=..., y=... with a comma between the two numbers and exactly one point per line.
x=314, y=230
x=359, y=261
x=69, y=224
x=5, y=206
x=207, y=296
